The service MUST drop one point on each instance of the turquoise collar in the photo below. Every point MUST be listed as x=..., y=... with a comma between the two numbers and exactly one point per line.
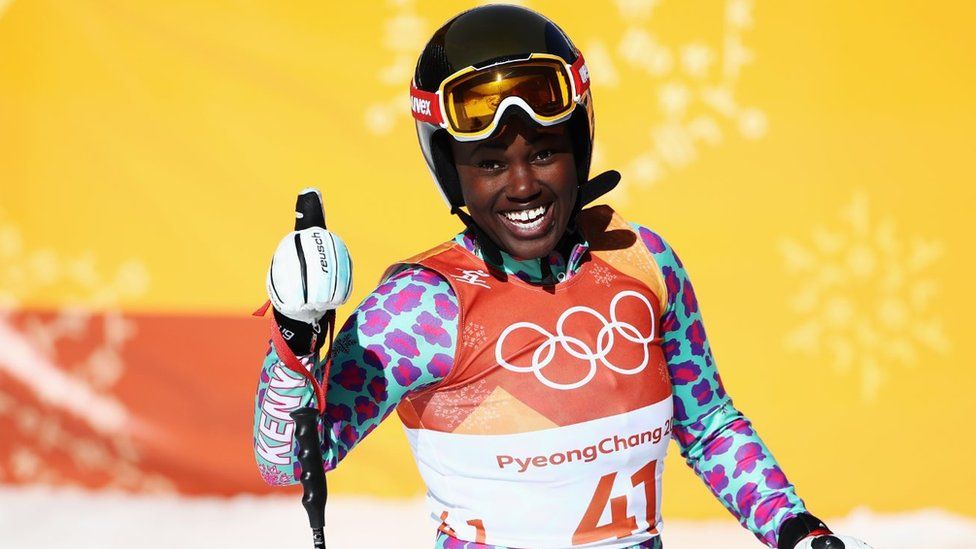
x=529, y=270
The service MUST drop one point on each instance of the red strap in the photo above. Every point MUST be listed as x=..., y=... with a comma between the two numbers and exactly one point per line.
x=260, y=311
x=290, y=361
x=818, y=532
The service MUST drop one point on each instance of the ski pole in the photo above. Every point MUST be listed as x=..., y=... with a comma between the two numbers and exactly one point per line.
x=314, y=489
x=310, y=212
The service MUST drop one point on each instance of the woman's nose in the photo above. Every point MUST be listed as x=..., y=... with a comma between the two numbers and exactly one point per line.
x=522, y=184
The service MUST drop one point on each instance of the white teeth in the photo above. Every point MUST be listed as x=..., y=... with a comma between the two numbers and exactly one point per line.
x=526, y=216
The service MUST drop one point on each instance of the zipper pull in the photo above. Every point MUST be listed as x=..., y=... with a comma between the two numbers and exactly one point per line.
x=316, y=331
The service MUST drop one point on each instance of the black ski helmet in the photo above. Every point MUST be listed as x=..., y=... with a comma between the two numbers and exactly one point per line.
x=484, y=36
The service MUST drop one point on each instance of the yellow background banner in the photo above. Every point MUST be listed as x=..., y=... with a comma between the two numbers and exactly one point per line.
x=811, y=162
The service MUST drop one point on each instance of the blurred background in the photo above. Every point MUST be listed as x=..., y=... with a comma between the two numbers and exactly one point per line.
x=812, y=162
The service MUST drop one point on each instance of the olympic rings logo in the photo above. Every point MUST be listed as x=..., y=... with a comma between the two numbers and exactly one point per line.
x=613, y=328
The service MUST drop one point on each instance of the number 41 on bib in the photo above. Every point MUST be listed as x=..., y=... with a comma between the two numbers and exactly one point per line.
x=620, y=525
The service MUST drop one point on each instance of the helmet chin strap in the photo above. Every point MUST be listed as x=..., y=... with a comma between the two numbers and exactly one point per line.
x=589, y=192
x=490, y=251
x=597, y=187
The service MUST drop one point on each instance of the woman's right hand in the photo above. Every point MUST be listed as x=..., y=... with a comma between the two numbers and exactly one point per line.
x=311, y=271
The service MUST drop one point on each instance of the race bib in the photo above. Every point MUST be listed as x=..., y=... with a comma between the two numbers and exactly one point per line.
x=591, y=484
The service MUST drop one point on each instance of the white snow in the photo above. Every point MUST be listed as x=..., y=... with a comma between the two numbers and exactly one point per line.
x=42, y=518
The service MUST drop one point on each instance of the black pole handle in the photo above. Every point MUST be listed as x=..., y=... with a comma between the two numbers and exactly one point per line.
x=309, y=211
x=314, y=489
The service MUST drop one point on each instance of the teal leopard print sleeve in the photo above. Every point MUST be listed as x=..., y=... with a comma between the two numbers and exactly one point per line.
x=715, y=439
x=400, y=339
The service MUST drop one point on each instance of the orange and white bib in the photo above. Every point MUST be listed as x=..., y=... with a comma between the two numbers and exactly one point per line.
x=552, y=427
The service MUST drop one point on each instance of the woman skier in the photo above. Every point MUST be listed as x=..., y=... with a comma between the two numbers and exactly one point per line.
x=540, y=360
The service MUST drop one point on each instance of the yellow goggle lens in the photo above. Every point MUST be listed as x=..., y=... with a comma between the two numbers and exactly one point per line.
x=473, y=99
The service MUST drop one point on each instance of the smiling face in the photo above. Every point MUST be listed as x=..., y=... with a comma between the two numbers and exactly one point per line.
x=520, y=185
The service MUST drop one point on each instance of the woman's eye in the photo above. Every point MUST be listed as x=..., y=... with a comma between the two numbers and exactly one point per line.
x=489, y=165
x=545, y=154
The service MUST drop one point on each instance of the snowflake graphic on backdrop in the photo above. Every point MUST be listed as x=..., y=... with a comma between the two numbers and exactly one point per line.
x=864, y=296
x=66, y=387
x=692, y=84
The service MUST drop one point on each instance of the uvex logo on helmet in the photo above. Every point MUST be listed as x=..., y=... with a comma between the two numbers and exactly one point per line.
x=420, y=106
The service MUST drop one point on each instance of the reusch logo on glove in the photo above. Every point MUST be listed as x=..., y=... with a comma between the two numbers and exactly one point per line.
x=320, y=246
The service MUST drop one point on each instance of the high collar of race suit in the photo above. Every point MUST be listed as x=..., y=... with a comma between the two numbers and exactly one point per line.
x=561, y=267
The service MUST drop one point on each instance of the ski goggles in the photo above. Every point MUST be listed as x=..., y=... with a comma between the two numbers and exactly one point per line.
x=469, y=103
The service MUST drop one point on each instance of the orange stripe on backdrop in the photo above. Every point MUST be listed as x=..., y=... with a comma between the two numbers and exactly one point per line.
x=185, y=386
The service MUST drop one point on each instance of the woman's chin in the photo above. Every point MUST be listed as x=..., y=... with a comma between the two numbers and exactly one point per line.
x=525, y=243
x=536, y=248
